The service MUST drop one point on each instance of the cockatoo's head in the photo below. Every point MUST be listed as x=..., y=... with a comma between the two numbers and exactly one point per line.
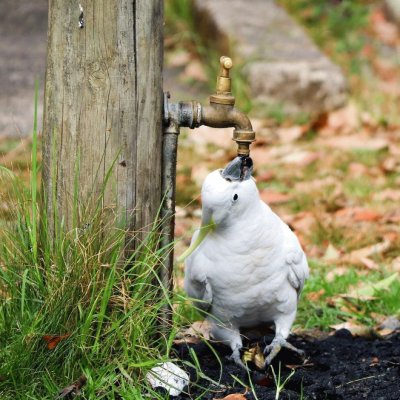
x=228, y=193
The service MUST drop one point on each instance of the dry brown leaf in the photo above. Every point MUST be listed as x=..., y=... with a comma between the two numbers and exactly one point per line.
x=357, y=169
x=390, y=164
x=374, y=361
x=315, y=296
x=356, y=214
x=300, y=158
x=291, y=134
x=343, y=121
x=235, y=396
x=388, y=326
x=254, y=355
x=196, y=332
x=387, y=195
x=337, y=271
x=355, y=329
x=331, y=253
x=357, y=256
x=395, y=266
x=297, y=366
x=368, y=263
x=265, y=176
x=273, y=197
x=386, y=31
x=357, y=142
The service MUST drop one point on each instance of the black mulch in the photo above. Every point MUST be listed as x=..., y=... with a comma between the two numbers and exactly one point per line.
x=339, y=367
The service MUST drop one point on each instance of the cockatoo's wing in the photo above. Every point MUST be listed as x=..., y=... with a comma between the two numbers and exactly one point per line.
x=196, y=283
x=296, y=261
x=298, y=269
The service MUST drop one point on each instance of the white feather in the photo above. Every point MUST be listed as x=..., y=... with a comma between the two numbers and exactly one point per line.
x=250, y=269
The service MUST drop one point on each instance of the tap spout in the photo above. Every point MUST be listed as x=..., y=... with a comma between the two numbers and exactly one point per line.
x=224, y=116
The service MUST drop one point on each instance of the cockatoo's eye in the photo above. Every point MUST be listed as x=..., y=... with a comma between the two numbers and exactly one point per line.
x=235, y=197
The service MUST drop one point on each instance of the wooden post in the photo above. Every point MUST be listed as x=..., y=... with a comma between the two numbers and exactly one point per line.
x=103, y=102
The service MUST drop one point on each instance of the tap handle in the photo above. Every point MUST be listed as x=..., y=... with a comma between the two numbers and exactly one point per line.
x=226, y=65
x=223, y=93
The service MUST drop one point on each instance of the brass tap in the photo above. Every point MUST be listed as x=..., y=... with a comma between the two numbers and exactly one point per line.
x=221, y=112
x=223, y=94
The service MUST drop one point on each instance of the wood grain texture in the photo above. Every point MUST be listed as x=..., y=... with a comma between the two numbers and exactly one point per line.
x=103, y=104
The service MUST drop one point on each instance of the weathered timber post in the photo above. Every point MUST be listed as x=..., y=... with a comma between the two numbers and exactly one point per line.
x=103, y=103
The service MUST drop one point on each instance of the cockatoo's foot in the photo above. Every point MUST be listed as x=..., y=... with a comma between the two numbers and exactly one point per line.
x=235, y=357
x=275, y=347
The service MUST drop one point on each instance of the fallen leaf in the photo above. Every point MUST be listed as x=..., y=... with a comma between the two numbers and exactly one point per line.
x=390, y=164
x=368, y=263
x=388, y=326
x=254, y=355
x=235, y=396
x=357, y=169
x=395, y=266
x=315, y=296
x=357, y=142
x=52, y=341
x=343, y=120
x=74, y=389
x=301, y=158
x=386, y=31
x=357, y=256
x=368, y=290
x=387, y=195
x=264, y=379
x=355, y=329
x=297, y=366
x=374, y=361
x=265, y=176
x=273, y=197
x=195, y=333
x=367, y=215
x=291, y=134
x=357, y=214
x=337, y=271
x=331, y=253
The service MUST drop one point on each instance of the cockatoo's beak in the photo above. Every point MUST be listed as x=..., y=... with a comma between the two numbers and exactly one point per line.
x=207, y=225
x=239, y=169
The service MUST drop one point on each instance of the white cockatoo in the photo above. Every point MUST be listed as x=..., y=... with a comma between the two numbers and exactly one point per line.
x=244, y=266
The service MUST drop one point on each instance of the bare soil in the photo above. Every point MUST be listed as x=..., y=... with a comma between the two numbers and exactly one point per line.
x=338, y=367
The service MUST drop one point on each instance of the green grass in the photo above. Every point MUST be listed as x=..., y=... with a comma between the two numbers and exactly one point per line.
x=81, y=283
x=320, y=314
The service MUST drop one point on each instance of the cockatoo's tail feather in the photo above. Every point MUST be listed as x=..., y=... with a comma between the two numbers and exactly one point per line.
x=203, y=232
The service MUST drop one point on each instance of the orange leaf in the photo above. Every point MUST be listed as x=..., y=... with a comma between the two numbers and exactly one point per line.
x=235, y=396
x=315, y=296
x=52, y=341
x=273, y=197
